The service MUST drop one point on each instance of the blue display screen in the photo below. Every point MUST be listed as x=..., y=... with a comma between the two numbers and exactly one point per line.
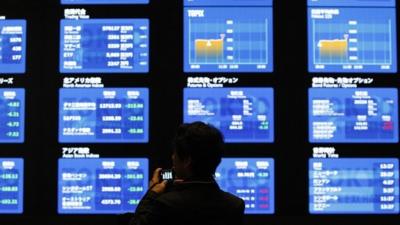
x=109, y=115
x=251, y=179
x=105, y=2
x=350, y=40
x=11, y=185
x=362, y=115
x=354, y=186
x=242, y=114
x=228, y=2
x=101, y=186
x=360, y=3
x=104, y=46
x=12, y=115
x=227, y=39
x=12, y=46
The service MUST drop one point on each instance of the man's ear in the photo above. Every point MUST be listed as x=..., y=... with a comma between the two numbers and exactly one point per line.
x=187, y=162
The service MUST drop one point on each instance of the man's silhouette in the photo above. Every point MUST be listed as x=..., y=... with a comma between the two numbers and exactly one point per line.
x=194, y=198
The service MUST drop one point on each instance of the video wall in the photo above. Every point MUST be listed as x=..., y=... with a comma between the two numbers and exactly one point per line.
x=304, y=92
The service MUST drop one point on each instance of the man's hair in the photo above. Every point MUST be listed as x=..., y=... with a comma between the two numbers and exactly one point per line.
x=203, y=143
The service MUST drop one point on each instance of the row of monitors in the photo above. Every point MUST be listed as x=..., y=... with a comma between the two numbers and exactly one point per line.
x=186, y=2
x=243, y=2
x=244, y=115
x=116, y=185
x=220, y=36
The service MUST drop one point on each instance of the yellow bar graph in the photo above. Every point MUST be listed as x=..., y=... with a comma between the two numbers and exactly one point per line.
x=209, y=47
x=335, y=47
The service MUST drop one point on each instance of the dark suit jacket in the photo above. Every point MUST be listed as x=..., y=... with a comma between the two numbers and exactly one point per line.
x=190, y=203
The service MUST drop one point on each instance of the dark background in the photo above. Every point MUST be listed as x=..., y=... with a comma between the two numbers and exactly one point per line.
x=166, y=81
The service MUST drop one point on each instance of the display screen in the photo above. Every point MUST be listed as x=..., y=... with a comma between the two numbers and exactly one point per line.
x=360, y=3
x=11, y=185
x=228, y=2
x=350, y=39
x=109, y=115
x=101, y=186
x=242, y=114
x=106, y=2
x=12, y=46
x=12, y=115
x=362, y=115
x=228, y=39
x=251, y=179
x=354, y=186
x=104, y=46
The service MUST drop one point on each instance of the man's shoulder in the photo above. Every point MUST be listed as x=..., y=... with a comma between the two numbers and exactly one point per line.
x=233, y=199
x=175, y=196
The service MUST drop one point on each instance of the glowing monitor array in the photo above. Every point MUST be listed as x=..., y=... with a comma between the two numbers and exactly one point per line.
x=101, y=186
x=354, y=186
x=12, y=115
x=110, y=115
x=104, y=46
x=242, y=114
x=251, y=179
x=363, y=115
x=12, y=46
x=219, y=36
x=11, y=185
x=360, y=38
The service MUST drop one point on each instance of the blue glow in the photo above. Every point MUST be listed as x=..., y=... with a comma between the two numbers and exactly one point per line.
x=12, y=46
x=251, y=179
x=349, y=40
x=104, y=46
x=101, y=186
x=226, y=39
x=109, y=115
x=12, y=115
x=105, y=2
x=363, y=115
x=354, y=186
x=11, y=185
x=358, y=3
x=228, y=2
x=244, y=115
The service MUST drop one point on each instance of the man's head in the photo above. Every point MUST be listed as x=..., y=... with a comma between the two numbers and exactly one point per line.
x=197, y=150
